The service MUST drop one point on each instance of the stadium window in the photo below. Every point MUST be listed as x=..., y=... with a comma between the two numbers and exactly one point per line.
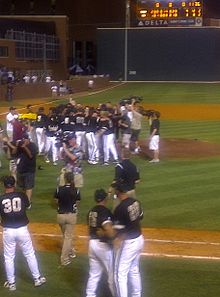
x=3, y=51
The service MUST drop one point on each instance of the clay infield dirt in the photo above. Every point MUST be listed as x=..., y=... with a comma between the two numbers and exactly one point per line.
x=158, y=242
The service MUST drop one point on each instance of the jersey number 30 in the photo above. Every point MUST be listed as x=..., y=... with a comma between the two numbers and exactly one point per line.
x=12, y=205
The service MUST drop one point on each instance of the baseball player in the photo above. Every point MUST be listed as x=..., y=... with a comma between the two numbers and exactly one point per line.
x=127, y=172
x=68, y=198
x=40, y=125
x=129, y=243
x=51, y=129
x=109, y=147
x=91, y=128
x=80, y=128
x=100, y=248
x=14, y=221
x=9, y=122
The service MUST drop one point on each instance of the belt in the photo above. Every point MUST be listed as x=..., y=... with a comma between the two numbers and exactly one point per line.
x=100, y=240
x=66, y=212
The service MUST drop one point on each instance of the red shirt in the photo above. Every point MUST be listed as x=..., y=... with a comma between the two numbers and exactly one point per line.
x=19, y=130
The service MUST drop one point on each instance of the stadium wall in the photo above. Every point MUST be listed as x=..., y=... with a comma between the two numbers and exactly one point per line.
x=160, y=54
x=41, y=90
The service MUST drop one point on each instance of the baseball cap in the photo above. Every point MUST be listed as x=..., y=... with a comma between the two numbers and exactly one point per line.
x=12, y=108
x=9, y=181
x=100, y=195
x=71, y=136
x=120, y=186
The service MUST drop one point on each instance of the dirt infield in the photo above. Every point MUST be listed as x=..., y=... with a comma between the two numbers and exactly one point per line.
x=186, y=111
x=158, y=242
x=183, y=149
x=168, y=111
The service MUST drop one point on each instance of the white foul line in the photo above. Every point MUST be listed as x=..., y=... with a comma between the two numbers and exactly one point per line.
x=146, y=240
x=184, y=242
x=145, y=254
x=179, y=256
x=80, y=94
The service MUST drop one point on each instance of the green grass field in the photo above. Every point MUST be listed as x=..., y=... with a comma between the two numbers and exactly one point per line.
x=175, y=194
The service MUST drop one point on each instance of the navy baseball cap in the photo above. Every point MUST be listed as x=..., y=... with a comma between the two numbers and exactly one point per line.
x=100, y=195
x=71, y=136
x=9, y=181
x=120, y=186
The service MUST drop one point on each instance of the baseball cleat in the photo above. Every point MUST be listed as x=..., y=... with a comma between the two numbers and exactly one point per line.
x=10, y=286
x=39, y=281
x=154, y=161
x=72, y=255
x=47, y=160
x=93, y=162
x=30, y=206
x=66, y=263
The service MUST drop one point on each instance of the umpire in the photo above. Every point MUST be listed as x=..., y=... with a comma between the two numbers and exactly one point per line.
x=127, y=172
x=68, y=198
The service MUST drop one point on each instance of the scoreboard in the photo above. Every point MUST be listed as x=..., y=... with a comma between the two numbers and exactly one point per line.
x=165, y=13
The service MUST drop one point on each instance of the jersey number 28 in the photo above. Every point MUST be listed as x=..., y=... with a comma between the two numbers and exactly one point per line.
x=134, y=211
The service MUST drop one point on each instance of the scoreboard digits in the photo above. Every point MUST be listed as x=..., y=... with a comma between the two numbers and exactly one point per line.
x=169, y=13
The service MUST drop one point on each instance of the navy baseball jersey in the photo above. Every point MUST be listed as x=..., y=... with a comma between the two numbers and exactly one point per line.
x=127, y=217
x=13, y=209
x=79, y=122
x=41, y=121
x=67, y=197
x=155, y=125
x=127, y=172
x=91, y=124
x=97, y=217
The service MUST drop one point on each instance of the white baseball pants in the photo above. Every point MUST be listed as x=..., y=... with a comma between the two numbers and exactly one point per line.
x=109, y=147
x=19, y=236
x=92, y=146
x=100, y=260
x=51, y=144
x=40, y=139
x=127, y=259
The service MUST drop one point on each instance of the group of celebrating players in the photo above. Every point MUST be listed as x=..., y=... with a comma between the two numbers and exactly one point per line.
x=96, y=130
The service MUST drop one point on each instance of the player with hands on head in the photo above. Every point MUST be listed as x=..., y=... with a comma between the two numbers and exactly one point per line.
x=14, y=221
x=100, y=252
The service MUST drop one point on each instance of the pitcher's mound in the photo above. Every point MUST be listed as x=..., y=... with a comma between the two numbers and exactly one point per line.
x=184, y=148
